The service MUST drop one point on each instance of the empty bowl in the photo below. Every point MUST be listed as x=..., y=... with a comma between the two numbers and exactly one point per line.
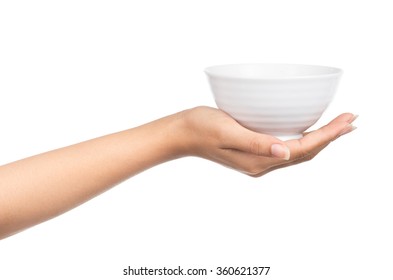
x=282, y=100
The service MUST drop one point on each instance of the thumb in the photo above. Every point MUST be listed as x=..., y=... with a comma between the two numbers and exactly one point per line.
x=259, y=144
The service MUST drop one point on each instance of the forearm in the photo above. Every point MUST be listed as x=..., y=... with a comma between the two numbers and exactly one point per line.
x=38, y=188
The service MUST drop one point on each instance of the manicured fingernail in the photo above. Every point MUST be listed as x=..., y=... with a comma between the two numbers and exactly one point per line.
x=349, y=128
x=280, y=151
x=353, y=118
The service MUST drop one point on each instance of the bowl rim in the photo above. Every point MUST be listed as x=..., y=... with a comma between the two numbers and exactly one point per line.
x=208, y=72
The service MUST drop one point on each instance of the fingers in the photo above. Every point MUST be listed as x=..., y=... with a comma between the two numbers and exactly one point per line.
x=269, y=146
x=313, y=142
x=250, y=158
x=253, y=154
x=245, y=140
x=247, y=163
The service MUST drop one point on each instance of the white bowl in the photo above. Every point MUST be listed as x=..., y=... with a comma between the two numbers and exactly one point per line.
x=282, y=100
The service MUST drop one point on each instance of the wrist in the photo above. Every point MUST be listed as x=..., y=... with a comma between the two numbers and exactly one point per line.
x=191, y=139
x=181, y=134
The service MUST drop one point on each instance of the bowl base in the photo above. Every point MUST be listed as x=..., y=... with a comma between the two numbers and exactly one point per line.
x=289, y=137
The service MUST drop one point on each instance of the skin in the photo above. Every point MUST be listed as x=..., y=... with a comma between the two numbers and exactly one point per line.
x=38, y=188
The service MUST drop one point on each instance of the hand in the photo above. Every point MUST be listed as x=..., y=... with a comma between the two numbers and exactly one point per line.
x=214, y=135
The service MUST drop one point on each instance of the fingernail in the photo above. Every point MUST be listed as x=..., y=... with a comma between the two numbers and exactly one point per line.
x=280, y=151
x=353, y=118
x=349, y=128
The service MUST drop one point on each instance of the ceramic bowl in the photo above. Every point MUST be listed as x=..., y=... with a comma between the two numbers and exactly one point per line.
x=282, y=100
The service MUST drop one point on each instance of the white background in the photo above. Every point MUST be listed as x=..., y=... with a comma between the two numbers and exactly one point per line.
x=75, y=70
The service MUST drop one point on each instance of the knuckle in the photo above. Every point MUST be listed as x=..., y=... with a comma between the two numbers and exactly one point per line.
x=253, y=170
x=307, y=156
x=255, y=175
x=255, y=146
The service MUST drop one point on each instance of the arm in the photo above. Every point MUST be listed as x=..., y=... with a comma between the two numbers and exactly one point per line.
x=41, y=187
